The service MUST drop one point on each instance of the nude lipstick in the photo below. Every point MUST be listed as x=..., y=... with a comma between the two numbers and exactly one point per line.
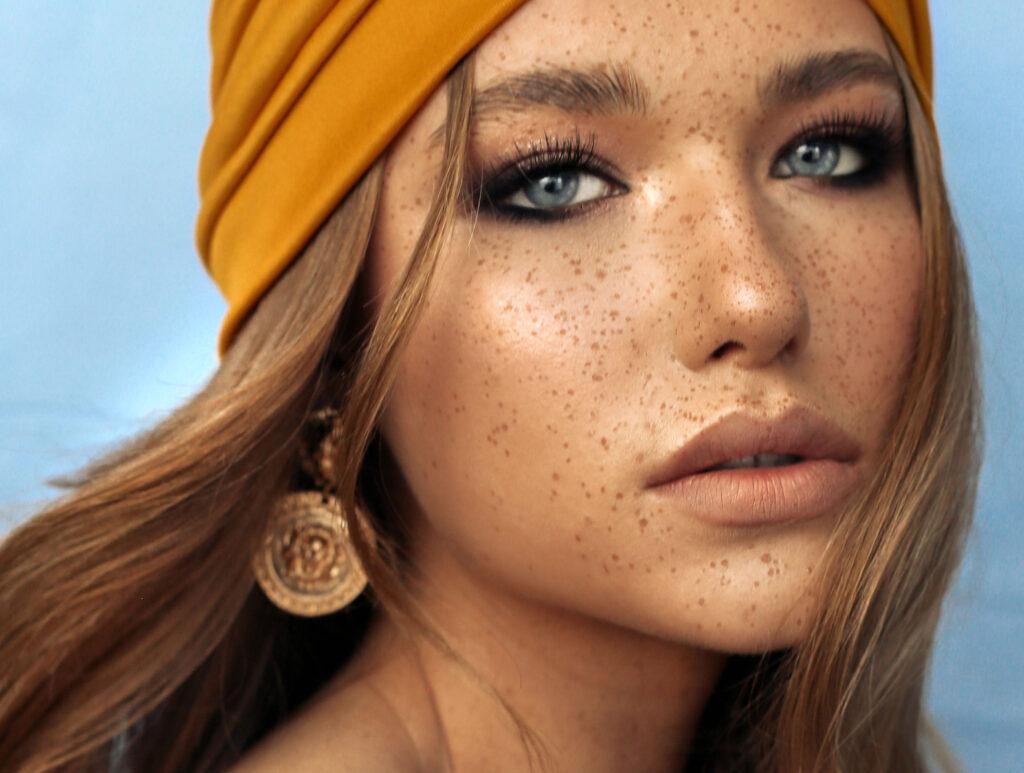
x=810, y=469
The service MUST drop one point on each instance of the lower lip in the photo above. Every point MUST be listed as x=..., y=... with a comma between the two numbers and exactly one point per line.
x=759, y=496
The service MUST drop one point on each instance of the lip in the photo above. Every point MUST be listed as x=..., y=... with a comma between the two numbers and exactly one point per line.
x=762, y=495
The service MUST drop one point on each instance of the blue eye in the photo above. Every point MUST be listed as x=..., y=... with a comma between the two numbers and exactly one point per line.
x=552, y=180
x=558, y=190
x=555, y=190
x=821, y=158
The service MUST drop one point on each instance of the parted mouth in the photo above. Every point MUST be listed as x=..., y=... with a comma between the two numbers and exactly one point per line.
x=798, y=435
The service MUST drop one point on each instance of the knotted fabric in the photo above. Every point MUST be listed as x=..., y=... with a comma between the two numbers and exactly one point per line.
x=306, y=94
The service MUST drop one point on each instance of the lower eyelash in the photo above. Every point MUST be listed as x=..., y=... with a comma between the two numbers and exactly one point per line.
x=522, y=214
x=880, y=135
x=550, y=156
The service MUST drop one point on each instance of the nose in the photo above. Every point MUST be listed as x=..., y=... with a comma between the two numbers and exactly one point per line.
x=745, y=301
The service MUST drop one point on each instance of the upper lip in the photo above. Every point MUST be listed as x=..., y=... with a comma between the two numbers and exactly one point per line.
x=800, y=432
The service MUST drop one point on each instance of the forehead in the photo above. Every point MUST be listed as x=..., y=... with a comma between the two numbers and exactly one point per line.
x=697, y=54
x=675, y=40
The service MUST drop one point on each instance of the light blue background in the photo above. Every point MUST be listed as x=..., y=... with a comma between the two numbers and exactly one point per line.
x=107, y=319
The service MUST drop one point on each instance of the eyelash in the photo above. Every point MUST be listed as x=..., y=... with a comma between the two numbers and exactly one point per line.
x=879, y=136
x=550, y=156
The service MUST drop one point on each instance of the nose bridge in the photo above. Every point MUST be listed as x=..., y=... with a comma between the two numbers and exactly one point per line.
x=745, y=298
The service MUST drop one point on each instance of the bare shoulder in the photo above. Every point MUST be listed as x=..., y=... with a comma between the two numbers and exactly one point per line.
x=354, y=728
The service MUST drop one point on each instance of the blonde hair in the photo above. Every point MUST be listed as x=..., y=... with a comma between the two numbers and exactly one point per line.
x=133, y=631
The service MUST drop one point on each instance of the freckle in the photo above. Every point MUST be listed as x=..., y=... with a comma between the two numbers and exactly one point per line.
x=725, y=563
x=701, y=601
x=757, y=584
x=766, y=558
x=554, y=476
x=713, y=564
x=615, y=556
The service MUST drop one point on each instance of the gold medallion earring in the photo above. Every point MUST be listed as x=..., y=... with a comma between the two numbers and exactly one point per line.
x=306, y=564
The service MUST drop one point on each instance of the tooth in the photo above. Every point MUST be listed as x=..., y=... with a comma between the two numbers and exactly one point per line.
x=758, y=460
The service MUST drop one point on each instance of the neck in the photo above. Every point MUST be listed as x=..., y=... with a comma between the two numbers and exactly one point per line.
x=598, y=696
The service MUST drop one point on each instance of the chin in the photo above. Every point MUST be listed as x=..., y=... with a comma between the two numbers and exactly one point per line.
x=755, y=635
x=735, y=618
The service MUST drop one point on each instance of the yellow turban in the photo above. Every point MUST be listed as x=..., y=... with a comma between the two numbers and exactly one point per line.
x=306, y=94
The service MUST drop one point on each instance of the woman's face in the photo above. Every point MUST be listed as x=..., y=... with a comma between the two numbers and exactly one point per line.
x=734, y=231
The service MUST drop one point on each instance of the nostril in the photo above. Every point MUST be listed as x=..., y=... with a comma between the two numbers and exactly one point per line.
x=721, y=350
x=792, y=346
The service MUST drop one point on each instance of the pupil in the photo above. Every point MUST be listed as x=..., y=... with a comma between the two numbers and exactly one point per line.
x=810, y=154
x=553, y=184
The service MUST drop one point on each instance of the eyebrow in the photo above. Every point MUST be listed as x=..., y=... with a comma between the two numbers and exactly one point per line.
x=599, y=90
x=616, y=88
x=809, y=77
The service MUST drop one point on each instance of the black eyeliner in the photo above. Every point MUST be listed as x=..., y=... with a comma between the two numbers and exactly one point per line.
x=551, y=156
x=880, y=135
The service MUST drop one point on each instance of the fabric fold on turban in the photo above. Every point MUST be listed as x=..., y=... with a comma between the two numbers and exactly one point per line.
x=306, y=94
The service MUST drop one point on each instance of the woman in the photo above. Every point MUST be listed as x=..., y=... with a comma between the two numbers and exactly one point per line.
x=489, y=343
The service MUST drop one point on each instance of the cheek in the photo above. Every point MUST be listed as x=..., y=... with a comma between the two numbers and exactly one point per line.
x=533, y=390
x=518, y=369
x=862, y=276
x=518, y=416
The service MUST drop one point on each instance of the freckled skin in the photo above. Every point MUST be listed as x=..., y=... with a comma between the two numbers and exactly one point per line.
x=557, y=365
